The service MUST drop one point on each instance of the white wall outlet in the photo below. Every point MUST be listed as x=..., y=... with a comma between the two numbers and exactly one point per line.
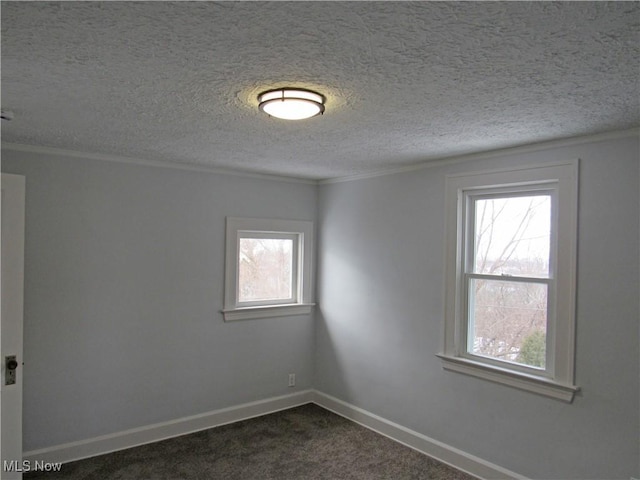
x=292, y=379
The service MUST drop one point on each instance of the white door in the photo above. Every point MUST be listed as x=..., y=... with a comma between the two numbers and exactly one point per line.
x=12, y=262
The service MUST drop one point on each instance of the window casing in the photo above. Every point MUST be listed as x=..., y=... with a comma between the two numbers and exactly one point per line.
x=510, y=277
x=268, y=268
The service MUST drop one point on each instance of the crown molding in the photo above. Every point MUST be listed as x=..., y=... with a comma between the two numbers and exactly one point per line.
x=19, y=147
x=530, y=148
x=435, y=162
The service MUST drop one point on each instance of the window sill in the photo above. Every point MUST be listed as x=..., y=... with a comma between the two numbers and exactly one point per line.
x=247, y=313
x=523, y=381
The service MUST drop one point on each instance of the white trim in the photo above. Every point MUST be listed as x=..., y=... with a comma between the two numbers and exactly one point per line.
x=19, y=147
x=536, y=384
x=267, y=311
x=561, y=327
x=433, y=448
x=135, y=437
x=12, y=201
x=517, y=150
x=303, y=301
x=515, y=169
x=427, y=163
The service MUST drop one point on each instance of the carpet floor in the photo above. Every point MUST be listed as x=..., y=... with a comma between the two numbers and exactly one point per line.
x=302, y=443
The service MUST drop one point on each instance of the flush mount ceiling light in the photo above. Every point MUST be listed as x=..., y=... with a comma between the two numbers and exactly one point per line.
x=291, y=103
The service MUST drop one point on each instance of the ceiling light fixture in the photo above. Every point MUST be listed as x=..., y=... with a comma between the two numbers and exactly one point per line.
x=291, y=103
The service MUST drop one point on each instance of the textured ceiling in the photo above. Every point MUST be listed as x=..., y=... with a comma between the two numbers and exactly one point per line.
x=405, y=81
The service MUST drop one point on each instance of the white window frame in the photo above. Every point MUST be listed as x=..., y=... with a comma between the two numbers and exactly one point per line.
x=560, y=180
x=301, y=232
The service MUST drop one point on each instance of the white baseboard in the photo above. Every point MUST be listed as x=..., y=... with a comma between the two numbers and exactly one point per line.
x=69, y=452
x=433, y=448
x=442, y=452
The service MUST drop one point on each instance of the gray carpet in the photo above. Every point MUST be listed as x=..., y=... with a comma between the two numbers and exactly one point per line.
x=303, y=443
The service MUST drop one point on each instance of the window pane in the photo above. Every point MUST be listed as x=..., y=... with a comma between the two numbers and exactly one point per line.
x=265, y=269
x=508, y=321
x=512, y=235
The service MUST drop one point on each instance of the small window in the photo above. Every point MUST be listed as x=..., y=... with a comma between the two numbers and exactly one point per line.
x=510, y=296
x=268, y=268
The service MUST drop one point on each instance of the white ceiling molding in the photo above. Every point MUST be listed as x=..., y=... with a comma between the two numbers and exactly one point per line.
x=536, y=147
x=62, y=152
x=633, y=132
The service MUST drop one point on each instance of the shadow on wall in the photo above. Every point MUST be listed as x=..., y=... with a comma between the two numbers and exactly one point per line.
x=333, y=379
x=349, y=344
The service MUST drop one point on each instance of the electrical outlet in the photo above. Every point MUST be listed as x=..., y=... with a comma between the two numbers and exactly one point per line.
x=292, y=379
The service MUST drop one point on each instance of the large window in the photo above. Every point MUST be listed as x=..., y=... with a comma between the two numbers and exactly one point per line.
x=268, y=268
x=511, y=277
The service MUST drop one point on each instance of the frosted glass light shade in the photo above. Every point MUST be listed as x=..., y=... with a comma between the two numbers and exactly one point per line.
x=291, y=103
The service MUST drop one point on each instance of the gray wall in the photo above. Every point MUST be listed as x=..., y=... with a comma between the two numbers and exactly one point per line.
x=124, y=278
x=124, y=272
x=381, y=320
